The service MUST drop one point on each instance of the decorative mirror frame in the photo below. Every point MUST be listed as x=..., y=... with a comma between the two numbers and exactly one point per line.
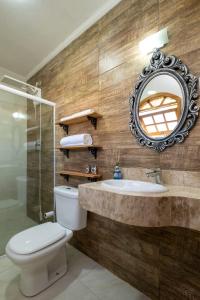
x=172, y=66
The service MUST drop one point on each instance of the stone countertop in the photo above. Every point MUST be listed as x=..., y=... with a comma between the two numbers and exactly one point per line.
x=179, y=206
x=173, y=191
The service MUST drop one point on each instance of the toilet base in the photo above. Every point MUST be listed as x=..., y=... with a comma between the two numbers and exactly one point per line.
x=37, y=277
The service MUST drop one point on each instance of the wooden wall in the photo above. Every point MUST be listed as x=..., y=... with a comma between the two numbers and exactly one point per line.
x=99, y=70
x=40, y=162
x=33, y=162
x=162, y=263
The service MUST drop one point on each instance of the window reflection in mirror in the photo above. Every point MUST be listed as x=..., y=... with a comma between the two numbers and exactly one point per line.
x=160, y=107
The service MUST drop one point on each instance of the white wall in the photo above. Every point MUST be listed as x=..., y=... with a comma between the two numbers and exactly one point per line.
x=4, y=71
x=163, y=84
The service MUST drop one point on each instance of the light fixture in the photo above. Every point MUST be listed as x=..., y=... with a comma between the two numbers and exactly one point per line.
x=19, y=116
x=156, y=40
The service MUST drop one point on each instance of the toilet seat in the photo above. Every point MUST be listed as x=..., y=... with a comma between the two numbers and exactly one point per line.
x=40, y=251
x=37, y=238
x=43, y=267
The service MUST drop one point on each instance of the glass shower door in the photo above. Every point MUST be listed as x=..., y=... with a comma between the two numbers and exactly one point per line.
x=26, y=162
x=13, y=167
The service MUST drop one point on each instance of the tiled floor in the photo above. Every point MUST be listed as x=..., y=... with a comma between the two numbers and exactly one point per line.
x=85, y=280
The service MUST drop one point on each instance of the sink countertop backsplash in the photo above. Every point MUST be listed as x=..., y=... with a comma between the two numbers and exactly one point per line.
x=168, y=177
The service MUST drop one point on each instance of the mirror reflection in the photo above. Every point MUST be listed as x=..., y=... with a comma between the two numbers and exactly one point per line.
x=161, y=105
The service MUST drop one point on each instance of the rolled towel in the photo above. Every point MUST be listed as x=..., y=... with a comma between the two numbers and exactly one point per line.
x=32, y=146
x=77, y=139
x=76, y=115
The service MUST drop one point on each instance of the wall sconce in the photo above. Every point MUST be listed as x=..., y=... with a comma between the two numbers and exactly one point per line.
x=156, y=40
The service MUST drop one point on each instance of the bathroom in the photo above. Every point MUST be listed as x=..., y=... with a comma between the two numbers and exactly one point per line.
x=87, y=58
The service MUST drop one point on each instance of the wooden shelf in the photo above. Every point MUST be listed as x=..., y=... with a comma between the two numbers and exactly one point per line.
x=91, y=148
x=92, y=117
x=78, y=147
x=92, y=177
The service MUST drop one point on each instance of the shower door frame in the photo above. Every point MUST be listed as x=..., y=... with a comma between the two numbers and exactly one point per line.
x=40, y=101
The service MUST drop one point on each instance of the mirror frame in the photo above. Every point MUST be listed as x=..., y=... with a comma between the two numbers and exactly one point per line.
x=172, y=66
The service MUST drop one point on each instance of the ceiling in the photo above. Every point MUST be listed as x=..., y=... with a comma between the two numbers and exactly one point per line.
x=33, y=31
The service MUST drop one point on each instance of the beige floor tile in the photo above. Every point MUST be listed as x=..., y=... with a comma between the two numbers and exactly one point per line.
x=85, y=280
x=9, y=285
x=73, y=252
x=5, y=263
x=124, y=291
x=99, y=280
x=77, y=291
x=9, y=274
x=81, y=265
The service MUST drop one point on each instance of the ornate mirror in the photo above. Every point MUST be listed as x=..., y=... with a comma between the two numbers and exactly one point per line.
x=163, y=106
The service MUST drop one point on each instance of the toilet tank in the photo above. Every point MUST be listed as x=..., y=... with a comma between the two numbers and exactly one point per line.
x=69, y=213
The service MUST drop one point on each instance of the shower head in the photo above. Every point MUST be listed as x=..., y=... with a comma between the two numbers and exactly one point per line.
x=20, y=85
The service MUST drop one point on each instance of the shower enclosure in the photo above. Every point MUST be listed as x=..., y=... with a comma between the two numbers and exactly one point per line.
x=26, y=161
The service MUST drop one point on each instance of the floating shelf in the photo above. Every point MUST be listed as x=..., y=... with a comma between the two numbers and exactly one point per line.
x=92, y=117
x=91, y=148
x=91, y=177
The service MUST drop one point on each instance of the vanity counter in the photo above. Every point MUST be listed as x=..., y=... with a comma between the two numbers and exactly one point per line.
x=179, y=206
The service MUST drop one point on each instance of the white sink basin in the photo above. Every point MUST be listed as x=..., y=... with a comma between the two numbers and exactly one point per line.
x=124, y=185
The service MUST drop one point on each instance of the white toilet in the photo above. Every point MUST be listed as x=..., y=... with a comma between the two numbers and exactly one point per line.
x=40, y=251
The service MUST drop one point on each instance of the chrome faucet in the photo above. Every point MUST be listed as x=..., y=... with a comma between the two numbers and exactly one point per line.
x=156, y=174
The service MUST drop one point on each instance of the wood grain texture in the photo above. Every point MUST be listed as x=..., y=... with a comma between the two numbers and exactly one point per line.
x=80, y=119
x=78, y=147
x=40, y=164
x=33, y=158
x=98, y=71
x=163, y=263
x=79, y=174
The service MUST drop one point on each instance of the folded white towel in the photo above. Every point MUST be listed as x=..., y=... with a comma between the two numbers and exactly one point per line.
x=77, y=139
x=76, y=115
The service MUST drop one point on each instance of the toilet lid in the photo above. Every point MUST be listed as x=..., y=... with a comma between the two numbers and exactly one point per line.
x=36, y=238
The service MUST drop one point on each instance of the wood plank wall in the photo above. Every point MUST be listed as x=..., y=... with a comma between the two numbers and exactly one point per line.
x=33, y=162
x=98, y=70
x=40, y=162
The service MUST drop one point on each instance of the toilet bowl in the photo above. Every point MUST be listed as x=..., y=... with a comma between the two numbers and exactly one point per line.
x=40, y=251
